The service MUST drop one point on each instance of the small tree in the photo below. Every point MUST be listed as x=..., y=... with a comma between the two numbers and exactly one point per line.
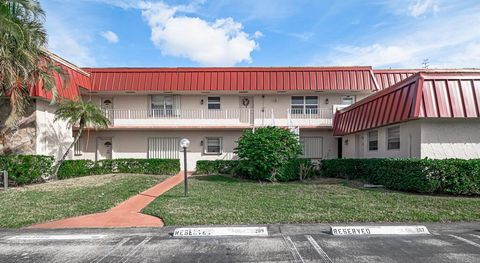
x=82, y=113
x=265, y=152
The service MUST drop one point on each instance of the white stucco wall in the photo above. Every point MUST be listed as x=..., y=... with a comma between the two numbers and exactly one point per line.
x=450, y=138
x=410, y=137
x=424, y=138
x=53, y=138
x=134, y=144
x=330, y=146
x=279, y=102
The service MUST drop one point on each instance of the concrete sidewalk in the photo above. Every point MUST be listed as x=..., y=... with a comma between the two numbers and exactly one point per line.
x=126, y=214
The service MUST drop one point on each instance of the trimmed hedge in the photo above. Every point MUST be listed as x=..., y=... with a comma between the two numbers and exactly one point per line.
x=78, y=168
x=216, y=167
x=291, y=171
x=449, y=176
x=26, y=169
x=297, y=169
x=140, y=166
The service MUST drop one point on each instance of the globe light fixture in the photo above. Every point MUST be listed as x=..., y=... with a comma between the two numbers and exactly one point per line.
x=184, y=143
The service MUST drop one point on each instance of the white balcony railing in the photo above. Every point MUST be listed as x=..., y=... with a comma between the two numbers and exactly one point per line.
x=225, y=117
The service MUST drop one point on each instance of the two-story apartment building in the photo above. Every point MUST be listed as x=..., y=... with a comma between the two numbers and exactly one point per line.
x=349, y=112
x=151, y=109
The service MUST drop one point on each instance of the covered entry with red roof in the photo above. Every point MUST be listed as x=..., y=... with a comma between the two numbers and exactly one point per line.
x=434, y=114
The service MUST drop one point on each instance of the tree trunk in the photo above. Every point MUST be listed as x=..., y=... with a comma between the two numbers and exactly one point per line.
x=56, y=167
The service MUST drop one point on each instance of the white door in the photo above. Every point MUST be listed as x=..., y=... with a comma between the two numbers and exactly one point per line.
x=104, y=148
x=312, y=147
x=359, y=146
x=246, y=110
x=107, y=106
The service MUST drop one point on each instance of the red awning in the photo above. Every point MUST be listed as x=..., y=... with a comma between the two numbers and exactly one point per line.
x=77, y=78
x=389, y=77
x=429, y=94
x=233, y=79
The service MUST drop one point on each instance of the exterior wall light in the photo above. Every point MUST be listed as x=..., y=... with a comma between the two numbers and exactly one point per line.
x=326, y=101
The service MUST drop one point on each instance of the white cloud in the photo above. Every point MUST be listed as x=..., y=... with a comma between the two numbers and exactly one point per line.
x=110, y=36
x=219, y=43
x=69, y=43
x=420, y=7
x=376, y=55
x=257, y=34
x=445, y=42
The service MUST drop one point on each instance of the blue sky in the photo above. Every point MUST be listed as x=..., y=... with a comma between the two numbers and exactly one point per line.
x=169, y=33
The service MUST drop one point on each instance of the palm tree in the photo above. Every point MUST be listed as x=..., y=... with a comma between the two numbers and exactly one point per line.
x=79, y=112
x=24, y=59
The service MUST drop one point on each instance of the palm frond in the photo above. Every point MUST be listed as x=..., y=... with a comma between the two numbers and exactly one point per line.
x=82, y=113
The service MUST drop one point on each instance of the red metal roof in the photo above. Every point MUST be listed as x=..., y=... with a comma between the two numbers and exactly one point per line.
x=77, y=78
x=430, y=94
x=232, y=79
x=389, y=77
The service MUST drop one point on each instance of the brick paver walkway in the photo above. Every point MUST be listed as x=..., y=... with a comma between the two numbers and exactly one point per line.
x=126, y=214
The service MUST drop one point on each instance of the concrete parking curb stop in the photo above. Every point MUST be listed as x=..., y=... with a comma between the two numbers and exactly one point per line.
x=378, y=230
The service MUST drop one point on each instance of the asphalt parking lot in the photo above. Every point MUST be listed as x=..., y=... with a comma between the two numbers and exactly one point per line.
x=285, y=243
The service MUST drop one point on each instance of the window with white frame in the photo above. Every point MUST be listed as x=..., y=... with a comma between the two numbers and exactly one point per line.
x=348, y=100
x=213, y=145
x=162, y=105
x=77, y=148
x=304, y=105
x=373, y=140
x=393, y=138
x=213, y=103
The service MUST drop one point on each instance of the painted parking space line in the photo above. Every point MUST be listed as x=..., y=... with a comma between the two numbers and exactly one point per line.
x=466, y=241
x=319, y=249
x=55, y=237
x=117, y=246
x=293, y=249
x=135, y=249
x=473, y=235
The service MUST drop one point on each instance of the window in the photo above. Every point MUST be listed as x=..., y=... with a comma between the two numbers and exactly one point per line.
x=77, y=148
x=213, y=103
x=163, y=148
x=373, y=140
x=348, y=100
x=161, y=105
x=393, y=138
x=213, y=145
x=304, y=105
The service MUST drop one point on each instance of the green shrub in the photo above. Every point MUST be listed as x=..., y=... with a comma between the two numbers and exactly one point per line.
x=141, y=166
x=77, y=168
x=26, y=169
x=297, y=169
x=451, y=176
x=216, y=166
x=265, y=153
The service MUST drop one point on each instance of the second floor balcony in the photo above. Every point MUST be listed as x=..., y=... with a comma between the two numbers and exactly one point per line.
x=229, y=118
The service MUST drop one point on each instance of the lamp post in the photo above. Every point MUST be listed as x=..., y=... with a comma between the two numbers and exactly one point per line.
x=184, y=143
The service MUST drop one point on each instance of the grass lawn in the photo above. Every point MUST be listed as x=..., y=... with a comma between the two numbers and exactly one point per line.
x=224, y=200
x=32, y=204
